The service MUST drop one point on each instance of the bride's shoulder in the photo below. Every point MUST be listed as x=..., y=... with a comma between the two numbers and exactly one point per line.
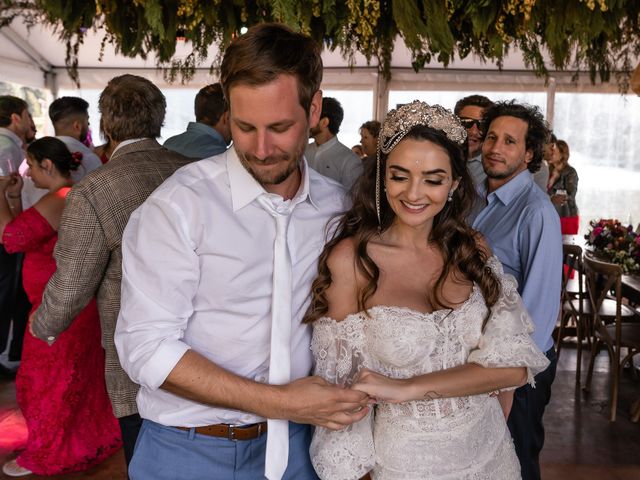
x=342, y=293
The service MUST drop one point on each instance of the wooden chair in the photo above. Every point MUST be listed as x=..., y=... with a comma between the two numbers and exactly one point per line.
x=612, y=327
x=575, y=306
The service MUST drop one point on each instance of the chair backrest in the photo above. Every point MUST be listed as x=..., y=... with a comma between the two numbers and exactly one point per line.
x=602, y=278
x=572, y=260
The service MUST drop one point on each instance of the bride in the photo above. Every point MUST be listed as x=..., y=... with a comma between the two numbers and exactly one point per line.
x=411, y=307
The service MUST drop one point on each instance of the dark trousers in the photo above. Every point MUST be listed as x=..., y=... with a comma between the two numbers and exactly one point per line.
x=130, y=428
x=14, y=305
x=525, y=419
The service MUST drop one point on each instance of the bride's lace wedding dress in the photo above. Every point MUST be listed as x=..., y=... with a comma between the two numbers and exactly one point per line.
x=449, y=438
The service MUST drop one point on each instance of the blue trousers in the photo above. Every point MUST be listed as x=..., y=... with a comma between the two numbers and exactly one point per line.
x=525, y=419
x=166, y=453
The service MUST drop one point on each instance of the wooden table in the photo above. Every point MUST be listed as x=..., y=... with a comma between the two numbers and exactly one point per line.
x=630, y=283
x=630, y=291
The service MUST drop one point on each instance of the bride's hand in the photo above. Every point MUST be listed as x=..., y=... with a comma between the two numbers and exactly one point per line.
x=380, y=387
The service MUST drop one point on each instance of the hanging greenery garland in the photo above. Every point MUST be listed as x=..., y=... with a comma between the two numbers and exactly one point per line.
x=601, y=37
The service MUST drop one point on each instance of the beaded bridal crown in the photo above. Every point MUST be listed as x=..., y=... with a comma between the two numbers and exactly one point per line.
x=400, y=121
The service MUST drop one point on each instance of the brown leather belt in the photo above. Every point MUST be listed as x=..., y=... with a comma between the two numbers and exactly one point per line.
x=243, y=432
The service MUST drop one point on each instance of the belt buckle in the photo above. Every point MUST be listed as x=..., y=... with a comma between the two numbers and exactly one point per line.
x=231, y=434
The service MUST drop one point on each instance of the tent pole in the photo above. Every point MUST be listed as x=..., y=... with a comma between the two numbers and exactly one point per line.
x=380, y=97
x=551, y=100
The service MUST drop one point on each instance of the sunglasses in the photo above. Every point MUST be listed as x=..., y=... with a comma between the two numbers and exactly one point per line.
x=468, y=123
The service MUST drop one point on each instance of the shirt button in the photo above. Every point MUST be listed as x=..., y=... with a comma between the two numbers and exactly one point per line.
x=51, y=339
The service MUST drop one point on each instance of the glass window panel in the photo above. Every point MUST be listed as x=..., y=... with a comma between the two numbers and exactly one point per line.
x=602, y=133
x=358, y=108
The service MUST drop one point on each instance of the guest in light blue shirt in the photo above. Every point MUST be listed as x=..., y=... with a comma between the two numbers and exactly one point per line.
x=210, y=134
x=523, y=230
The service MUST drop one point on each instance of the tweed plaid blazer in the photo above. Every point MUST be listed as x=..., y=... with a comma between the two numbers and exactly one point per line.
x=89, y=255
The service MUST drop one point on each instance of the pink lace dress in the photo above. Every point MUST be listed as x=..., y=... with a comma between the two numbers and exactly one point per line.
x=60, y=388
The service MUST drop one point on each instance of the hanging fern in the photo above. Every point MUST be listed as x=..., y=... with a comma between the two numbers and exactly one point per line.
x=601, y=37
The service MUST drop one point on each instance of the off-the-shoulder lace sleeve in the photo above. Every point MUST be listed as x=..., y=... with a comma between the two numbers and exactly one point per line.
x=338, y=349
x=506, y=340
x=28, y=231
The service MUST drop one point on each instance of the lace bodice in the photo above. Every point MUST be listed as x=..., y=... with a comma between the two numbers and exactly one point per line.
x=402, y=343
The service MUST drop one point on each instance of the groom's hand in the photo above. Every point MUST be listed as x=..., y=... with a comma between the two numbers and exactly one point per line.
x=315, y=401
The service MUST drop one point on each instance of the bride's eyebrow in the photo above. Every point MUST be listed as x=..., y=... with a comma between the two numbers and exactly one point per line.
x=425, y=172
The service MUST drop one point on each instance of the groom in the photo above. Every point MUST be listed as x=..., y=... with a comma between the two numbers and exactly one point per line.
x=217, y=270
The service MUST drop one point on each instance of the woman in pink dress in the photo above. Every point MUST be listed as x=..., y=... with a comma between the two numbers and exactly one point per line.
x=60, y=388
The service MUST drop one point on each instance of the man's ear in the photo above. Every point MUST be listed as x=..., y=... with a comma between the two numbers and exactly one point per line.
x=76, y=126
x=528, y=156
x=315, y=109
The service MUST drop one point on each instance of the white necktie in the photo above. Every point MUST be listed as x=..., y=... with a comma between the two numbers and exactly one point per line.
x=277, y=455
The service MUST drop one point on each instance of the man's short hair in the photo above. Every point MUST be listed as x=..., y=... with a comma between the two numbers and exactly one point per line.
x=210, y=104
x=66, y=107
x=8, y=106
x=373, y=127
x=537, y=129
x=132, y=107
x=267, y=51
x=332, y=110
x=474, y=100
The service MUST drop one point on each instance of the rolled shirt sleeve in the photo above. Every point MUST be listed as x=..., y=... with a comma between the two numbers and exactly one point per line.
x=160, y=276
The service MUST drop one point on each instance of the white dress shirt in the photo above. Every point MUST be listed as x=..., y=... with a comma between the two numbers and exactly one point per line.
x=90, y=161
x=197, y=272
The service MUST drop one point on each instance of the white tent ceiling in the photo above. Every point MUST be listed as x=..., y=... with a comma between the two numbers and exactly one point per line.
x=36, y=58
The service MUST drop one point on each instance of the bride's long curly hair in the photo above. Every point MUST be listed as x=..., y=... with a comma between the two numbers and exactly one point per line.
x=456, y=241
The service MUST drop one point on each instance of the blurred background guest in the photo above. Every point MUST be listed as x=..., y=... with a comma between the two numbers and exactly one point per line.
x=563, y=187
x=357, y=149
x=369, y=132
x=326, y=154
x=210, y=134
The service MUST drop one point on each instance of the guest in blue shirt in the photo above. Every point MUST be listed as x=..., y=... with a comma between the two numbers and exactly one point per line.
x=210, y=134
x=523, y=230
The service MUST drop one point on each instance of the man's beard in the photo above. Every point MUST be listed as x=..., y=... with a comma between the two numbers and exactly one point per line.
x=500, y=175
x=314, y=131
x=277, y=177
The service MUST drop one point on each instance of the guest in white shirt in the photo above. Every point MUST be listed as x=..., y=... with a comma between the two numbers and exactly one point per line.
x=326, y=154
x=70, y=118
x=217, y=269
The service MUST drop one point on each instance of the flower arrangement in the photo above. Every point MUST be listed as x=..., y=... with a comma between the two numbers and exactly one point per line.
x=619, y=243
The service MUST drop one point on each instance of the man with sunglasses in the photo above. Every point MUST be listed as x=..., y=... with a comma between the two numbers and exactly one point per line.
x=470, y=110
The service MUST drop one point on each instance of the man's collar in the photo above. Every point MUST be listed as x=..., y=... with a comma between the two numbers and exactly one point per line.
x=476, y=158
x=507, y=192
x=129, y=141
x=72, y=140
x=206, y=129
x=328, y=144
x=12, y=135
x=245, y=189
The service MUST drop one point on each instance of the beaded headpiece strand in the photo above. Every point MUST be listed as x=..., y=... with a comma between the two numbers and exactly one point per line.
x=400, y=121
